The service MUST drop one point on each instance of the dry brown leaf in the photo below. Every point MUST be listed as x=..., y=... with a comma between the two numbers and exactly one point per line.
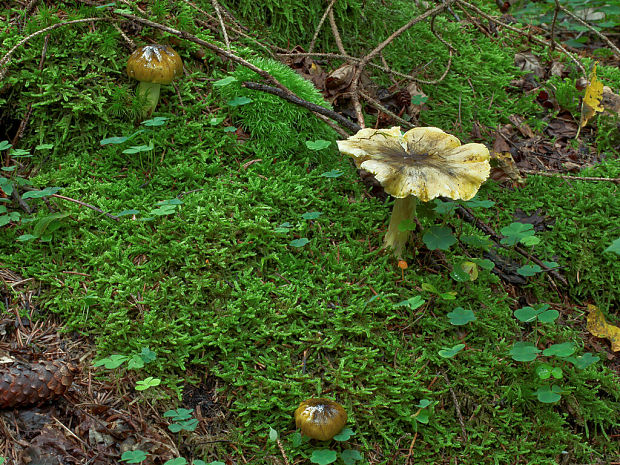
x=529, y=62
x=592, y=100
x=504, y=168
x=611, y=101
x=598, y=326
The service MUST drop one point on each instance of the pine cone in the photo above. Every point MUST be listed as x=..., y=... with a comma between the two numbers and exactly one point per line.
x=33, y=384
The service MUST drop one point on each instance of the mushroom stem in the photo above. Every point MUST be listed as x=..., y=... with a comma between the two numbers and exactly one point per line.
x=150, y=91
x=404, y=209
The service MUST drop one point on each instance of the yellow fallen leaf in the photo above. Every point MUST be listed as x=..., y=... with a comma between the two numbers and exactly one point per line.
x=598, y=326
x=592, y=100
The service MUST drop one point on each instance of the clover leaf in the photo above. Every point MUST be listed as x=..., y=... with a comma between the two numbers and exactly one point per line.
x=524, y=351
x=439, y=237
x=452, y=351
x=459, y=316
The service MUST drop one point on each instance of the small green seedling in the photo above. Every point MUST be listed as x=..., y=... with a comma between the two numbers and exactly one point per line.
x=540, y=313
x=299, y=242
x=451, y=351
x=147, y=383
x=529, y=270
x=134, y=456
x=433, y=290
x=524, y=351
x=517, y=232
x=317, y=144
x=426, y=410
x=439, y=237
x=549, y=394
x=182, y=420
x=412, y=303
x=459, y=316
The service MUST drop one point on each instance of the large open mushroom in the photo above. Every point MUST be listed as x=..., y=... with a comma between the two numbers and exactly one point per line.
x=153, y=65
x=423, y=163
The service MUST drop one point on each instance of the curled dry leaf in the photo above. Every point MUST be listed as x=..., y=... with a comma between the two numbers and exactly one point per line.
x=599, y=327
x=529, y=62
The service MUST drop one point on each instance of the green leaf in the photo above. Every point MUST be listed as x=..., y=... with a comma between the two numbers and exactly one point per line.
x=323, y=456
x=40, y=194
x=179, y=414
x=544, y=371
x=530, y=241
x=526, y=314
x=5, y=145
x=138, y=149
x=111, y=362
x=344, y=435
x=418, y=99
x=444, y=208
x=319, y=144
x=439, y=237
x=20, y=153
x=273, y=434
x=177, y=461
x=230, y=129
x=484, y=263
x=584, y=361
x=452, y=351
x=157, y=121
x=548, y=395
x=172, y=201
x=135, y=363
x=459, y=316
x=299, y=242
x=128, y=212
x=147, y=383
x=413, y=302
x=407, y=225
x=216, y=120
x=524, y=351
x=26, y=237
x=311, y=215
x=425, y=403
x=187, y=425
x=238, y=101
x=614, y=247
x=350, y=456
x=134, y=456
x=113, y=140
x=557, y=373
x=148, y=355
x=529, y=270
x=548, y=316
x=332, y=174
x=566, y=349
x=515, y=232
x=215, y=462
x=224, y=81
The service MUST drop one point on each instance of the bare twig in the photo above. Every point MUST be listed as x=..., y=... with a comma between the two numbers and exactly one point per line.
x=537, y=40
x=303, y=103
x=318, y=28
x=593, y=30
x=286, y=462
x=456, y=406
x=216, y=6
x=92, y=207
x=332, y=23
x=377, y=105
x=565, y=176
x=553, y=23
x=131, y=43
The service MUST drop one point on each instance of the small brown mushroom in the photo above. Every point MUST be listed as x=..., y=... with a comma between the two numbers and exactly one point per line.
x=153, y=65
x=320, y=419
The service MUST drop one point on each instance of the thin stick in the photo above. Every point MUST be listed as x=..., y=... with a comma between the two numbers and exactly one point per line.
x=216, y=6
x=565, y=176
x=523, y=33
x=374, y=103
x=303, y=103
x=282, y=452
x=332, y=23
x=7, y=57
x=92, y=207
x=456, y=406
x=318, y=28
x=593, y=30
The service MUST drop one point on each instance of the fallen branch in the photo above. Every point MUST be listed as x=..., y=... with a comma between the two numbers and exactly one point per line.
x=303, y=103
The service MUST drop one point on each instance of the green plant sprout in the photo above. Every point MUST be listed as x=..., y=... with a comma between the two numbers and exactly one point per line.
x=181, y=420
x=134, y=456
x=459, y=316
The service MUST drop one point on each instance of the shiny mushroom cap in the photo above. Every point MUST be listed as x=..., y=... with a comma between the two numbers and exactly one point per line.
x=320, y=419
x=158, y=64
x=424, y=162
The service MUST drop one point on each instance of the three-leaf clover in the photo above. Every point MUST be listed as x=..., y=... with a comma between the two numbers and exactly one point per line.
x=524, y=351
x=323, y=456
x=439, y=237
x=147, y=383
x=540, y=313
x=549, y=395
x=134, y=456
x=459, y=316
x=516, y=232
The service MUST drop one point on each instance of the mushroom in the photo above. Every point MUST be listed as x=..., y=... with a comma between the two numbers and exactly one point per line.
x=423, y=163
x=320, y=418
x=153, y=65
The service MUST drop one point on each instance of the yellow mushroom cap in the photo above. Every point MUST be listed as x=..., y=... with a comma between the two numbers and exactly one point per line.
x=320, y=419
x=424, y=162
x=158, y=64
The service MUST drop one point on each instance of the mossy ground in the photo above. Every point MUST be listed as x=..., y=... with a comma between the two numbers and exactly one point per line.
x=216, y=287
